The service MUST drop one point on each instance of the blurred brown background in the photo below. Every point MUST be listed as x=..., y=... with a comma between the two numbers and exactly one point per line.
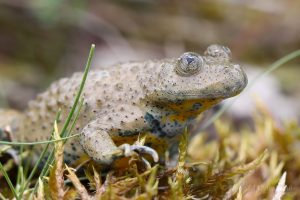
x=43, y=40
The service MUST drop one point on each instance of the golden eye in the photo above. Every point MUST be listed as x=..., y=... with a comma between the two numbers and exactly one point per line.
x=189, y=63
x=218, y=51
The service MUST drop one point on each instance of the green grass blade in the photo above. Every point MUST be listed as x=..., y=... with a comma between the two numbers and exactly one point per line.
x=50, y=161
x=86, y=71
x=8, y=181
x=20, y=167
x=37, y=163
x=39, y=142
x=75, y=120
x=64, y=132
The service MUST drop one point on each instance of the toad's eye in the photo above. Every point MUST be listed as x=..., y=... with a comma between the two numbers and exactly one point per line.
x=189, y=63
x=218, y=51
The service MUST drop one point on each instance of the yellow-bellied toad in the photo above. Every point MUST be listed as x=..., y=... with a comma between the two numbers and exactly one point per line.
x=157, y=97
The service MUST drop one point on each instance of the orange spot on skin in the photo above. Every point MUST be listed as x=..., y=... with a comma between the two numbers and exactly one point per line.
x=83, y=159
x=119, y=140
x=121, y=163
x=184, y=110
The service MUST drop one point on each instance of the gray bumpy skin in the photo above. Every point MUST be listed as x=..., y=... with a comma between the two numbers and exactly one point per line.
x=156, y=97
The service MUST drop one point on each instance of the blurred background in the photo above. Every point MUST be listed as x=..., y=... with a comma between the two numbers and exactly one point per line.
x=43, y=40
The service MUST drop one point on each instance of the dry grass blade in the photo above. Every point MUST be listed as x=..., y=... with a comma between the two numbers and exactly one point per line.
x=235, y=189
x=177, y=182
x=56, y=179
x=99, y=189
x=40, y=191
x=280, y=189
x=70, y=194
x=83, y=193
x=182, y=149
x=219, y=184
x=151, y=186
x=250, y=166
x=239, y=195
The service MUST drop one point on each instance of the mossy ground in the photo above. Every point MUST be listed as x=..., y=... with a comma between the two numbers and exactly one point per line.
x=244, y=164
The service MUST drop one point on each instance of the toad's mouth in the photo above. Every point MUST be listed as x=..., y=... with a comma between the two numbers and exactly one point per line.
x=217, y=91
x=189, y=95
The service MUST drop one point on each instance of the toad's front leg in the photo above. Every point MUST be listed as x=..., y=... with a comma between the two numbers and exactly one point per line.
x=96, y=141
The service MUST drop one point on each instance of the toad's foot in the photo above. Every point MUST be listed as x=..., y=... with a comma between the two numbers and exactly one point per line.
x=130, y=149
x=97, y=143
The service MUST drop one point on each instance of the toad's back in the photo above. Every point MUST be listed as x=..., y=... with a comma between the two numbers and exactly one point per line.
x=157, y=97
x=107, y=95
